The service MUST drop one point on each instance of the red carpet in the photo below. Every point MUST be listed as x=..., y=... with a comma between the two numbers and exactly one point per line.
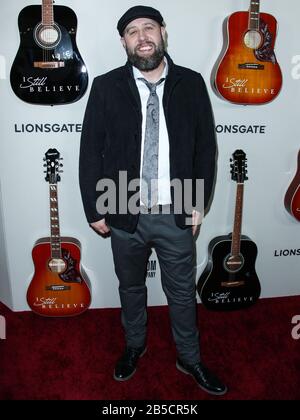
x=73, y=359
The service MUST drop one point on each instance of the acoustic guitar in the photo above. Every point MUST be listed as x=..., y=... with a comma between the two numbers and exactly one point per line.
x=292, y=196
x=59, y=287
x=248, y=72
x=48, y=68
x=229, y=280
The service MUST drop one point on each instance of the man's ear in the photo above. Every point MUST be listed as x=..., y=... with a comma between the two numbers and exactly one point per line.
x=123, y=42
x=163, y=32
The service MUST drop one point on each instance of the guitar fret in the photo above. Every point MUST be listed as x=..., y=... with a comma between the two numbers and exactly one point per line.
x=236, y=235
x=254, y=16
x=54, y=222
x=47, y=12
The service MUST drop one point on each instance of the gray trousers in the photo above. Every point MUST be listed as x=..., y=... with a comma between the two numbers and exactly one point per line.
x=175, y=250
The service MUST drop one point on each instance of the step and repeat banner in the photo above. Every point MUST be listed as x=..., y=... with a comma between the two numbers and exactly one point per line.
x=249, y=55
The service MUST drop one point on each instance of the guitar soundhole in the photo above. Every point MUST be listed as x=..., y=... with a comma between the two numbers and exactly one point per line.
x=253, y=39
x=57, y=265
x=47, y=36
x=233, y=263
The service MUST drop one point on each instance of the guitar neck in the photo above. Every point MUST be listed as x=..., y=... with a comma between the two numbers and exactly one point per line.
x=254, y=15
x=54, y=222
x=47, y=12
x=237, y=229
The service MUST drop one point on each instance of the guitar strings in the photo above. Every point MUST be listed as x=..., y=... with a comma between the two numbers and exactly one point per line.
x=46, y=39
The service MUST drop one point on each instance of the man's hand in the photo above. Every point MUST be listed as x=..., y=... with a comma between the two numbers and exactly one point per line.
x=196, y=221
x=100, y=227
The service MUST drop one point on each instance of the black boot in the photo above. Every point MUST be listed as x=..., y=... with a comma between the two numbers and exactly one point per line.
x=204, y=378
x=126, y=365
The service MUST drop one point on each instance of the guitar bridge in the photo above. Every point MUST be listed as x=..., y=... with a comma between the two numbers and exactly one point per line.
x=232, y=283
x=251, y=66
x=58, y=288
x=49, y=64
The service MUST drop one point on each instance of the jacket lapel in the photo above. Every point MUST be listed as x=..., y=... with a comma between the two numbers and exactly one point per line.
x=173, y=78
x=127, y=84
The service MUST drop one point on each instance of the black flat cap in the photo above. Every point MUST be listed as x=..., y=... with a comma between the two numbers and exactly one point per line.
x=138, y=12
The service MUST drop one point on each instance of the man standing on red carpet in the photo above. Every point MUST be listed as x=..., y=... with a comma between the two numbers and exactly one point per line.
x=151, y=120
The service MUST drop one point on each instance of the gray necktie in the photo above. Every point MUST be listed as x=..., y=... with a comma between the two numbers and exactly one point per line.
x=150, y=157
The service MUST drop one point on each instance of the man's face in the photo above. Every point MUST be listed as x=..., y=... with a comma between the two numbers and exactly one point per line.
x=143, y=40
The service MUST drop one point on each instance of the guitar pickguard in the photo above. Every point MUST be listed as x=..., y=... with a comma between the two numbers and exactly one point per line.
x=71, y=275
x=265, y=52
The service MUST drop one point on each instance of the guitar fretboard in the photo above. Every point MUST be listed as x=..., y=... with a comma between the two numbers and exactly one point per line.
x=254, y=15
x=54, y=222
x=237, y=229
x=47, y=12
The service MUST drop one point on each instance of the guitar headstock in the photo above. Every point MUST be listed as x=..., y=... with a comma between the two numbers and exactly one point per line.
x=52, y=165
x=239, y=166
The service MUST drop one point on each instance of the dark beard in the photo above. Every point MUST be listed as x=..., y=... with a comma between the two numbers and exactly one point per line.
x=147, y=63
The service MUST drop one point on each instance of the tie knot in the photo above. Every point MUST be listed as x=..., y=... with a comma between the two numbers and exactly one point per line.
x=152, y=86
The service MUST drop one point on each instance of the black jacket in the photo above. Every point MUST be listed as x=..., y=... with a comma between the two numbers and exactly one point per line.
x=112, y=133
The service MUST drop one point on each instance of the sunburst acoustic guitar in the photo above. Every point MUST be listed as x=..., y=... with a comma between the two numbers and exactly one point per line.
x=248, y=72
x=59, y=286
x=292, y=196
x=48, y=68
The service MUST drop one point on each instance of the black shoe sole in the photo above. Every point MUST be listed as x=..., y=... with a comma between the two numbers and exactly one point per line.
x=181, y=369
x=131, y=375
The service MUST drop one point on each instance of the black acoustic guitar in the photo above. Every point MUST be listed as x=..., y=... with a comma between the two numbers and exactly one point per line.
x=229, y=280
x=48, y=68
